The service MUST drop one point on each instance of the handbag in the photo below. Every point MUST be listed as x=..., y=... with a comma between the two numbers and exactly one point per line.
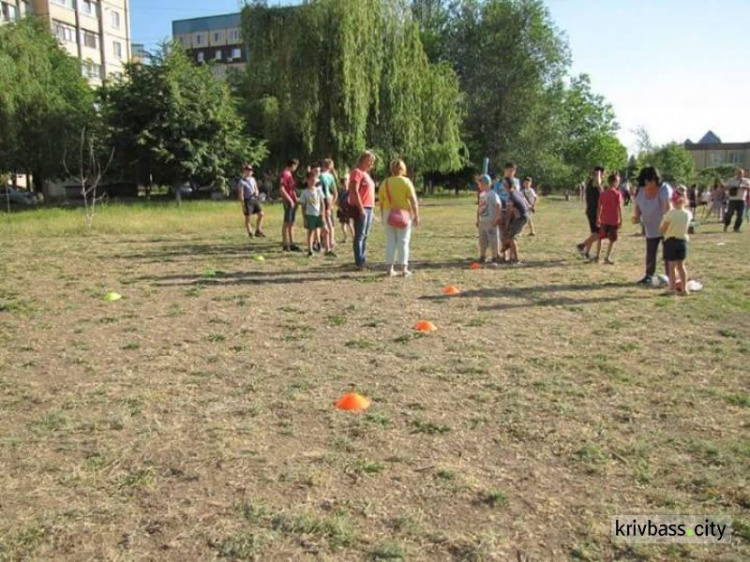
x=397, y=218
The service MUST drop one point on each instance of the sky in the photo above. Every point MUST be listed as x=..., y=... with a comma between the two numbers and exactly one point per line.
x=674, y=67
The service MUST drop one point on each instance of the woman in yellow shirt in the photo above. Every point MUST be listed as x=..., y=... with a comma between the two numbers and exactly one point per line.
x=398, y=199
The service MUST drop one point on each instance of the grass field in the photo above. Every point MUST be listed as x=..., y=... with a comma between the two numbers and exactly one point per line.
x=194, y=418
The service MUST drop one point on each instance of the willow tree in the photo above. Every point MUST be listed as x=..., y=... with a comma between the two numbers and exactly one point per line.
x=332, y=77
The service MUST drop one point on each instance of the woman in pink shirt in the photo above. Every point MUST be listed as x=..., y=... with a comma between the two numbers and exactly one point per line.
x=362, y=200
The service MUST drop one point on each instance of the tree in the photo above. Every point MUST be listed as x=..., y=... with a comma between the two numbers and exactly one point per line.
x=320, y=83
x=176, y=122
x=506, y=53
x=44, y=102
x=674, y=163
x=590, y=131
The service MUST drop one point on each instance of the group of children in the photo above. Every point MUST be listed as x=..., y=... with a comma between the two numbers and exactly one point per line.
x=674, y=228
x=317, y=201
x=503, y=211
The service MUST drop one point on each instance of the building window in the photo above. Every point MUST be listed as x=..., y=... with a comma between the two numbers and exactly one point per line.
x=9, y=12
x=114, y=19
x=64, y=32
x=216, y=37
x=117, y=47
x=236, y=54
x=716, y=158
x=735, y=158
x=198, y=39
x=217, y=56
x=90, y=39
x=91, y=70
x=88, y=7
x=66, y=3
x=201, y=56
x=25, y=9
x=235, y=35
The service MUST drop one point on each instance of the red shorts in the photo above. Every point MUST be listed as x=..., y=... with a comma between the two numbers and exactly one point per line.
x=608, y=231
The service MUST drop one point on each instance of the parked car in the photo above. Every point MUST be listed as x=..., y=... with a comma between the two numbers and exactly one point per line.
x=18, y=198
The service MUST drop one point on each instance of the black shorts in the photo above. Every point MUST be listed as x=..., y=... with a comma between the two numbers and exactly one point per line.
x=608, y=232
x=290, y=213
x=252, y=207
x=592, y=223
x=675, y=249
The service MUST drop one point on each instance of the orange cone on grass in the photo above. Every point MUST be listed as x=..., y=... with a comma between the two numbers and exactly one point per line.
x=451, y=290
x=353, y=402
x=476, y=265
x=426, y=326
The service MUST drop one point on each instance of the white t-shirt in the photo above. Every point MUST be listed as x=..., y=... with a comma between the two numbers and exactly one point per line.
x=738, y=187
x=312, y=201
x=530, y=195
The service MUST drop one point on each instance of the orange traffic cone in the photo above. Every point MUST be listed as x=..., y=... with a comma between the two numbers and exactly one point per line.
x=425, y=326
x=353, y=402
x=451, y=290
x=476, y=265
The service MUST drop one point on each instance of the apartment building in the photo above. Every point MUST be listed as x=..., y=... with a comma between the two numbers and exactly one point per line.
x=12, y=10
x=97, y=32
x=215, y=39
x=710, y=151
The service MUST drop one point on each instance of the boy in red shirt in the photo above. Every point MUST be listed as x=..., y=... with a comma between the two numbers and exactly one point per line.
x=290, y=200
x=609, y=217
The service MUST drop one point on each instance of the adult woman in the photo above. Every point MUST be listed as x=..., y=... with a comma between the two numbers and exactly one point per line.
x=400, y=210
x=651, y=204
x=361, y=201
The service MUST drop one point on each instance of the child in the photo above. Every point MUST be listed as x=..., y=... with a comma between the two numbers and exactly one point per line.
x=312, y=202
x=516, y=217
x=531, y=198
x=343, y=213
x=488, y=214
x=674, y=228
x=610, y=217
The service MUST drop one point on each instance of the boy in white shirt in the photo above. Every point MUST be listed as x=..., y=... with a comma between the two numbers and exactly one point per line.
x=312, y=201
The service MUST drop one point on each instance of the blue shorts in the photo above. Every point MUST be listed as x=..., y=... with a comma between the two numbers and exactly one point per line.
x=290, y=213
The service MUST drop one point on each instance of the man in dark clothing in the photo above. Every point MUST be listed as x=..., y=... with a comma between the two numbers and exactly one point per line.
x=593, y=190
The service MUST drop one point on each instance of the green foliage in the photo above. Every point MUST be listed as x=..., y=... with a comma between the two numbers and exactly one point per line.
x=176, y=121
x=512, y=63
x=332, y=77
x=675, y=164
x=708, y=176
x=44, y=101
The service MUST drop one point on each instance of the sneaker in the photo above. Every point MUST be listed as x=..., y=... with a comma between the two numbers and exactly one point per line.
x=407, y=273
x=482, y=260
x=331, y=254
x=609, y=261
x=390, y=273
x=645, y=281
x=287, y=249
x=587, y=256
x=310, y=254
x=295, y=248
x=260, y=234
x=250, y=234
x=581, y=249
x=590, y=259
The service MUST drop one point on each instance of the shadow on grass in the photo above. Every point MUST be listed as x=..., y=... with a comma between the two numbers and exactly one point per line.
x=530, y=296
x=208, y=250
